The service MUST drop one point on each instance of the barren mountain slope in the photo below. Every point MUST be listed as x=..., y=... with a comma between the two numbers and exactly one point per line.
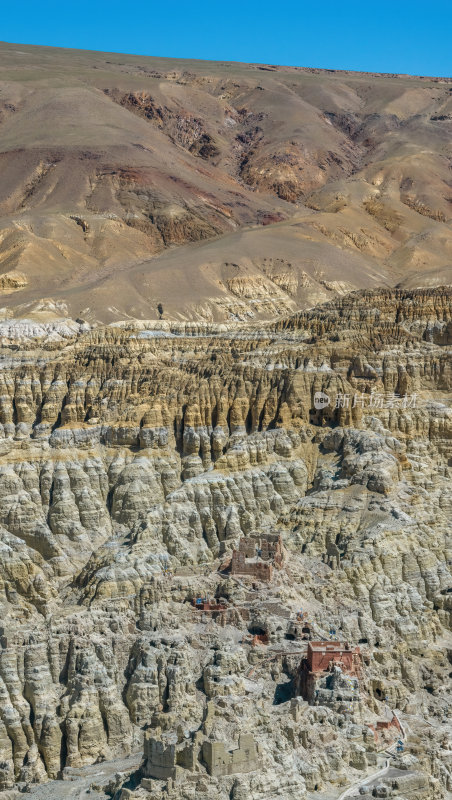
x=220, y=190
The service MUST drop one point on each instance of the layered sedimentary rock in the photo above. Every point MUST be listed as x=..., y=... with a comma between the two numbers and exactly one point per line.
x=133, y=460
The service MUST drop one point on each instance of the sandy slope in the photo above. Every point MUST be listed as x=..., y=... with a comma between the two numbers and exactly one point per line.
x=219, y=190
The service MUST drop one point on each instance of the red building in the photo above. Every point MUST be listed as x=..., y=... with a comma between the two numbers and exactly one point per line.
x=203, y=604
x=240, y=565
x=256, y=555
x=321, y=658
x=323, y=655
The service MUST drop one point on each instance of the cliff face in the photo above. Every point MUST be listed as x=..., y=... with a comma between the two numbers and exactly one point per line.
x=223, y=191
x=134, y=457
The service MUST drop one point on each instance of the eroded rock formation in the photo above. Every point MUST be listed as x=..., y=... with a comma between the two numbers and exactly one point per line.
x=133, y=460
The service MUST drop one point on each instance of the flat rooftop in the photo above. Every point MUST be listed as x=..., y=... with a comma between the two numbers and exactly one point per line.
x=331, y=646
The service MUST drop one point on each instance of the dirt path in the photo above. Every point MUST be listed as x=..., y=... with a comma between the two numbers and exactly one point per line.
x=76, y=786
x=383, y=771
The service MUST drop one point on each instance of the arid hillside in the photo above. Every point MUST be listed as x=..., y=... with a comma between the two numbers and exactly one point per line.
x=222, y=191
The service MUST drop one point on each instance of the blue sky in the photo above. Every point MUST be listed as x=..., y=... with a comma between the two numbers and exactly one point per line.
x=398, y=36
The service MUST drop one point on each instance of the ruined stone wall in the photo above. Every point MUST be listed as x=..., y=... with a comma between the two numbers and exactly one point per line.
x=220, y=761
